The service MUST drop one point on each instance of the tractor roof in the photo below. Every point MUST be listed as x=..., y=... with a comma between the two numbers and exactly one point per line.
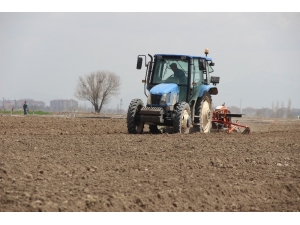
x=188, y=56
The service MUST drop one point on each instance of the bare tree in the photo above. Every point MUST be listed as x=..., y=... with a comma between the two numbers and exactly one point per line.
x=273, y=111
x=281, y=110
x=289, y=111
x=277, y=109
x=97, y=88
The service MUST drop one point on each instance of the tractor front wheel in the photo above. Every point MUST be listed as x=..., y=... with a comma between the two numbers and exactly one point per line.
x=182, y=118
x=134, y=125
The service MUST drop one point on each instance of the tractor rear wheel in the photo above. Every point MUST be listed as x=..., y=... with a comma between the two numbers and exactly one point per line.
x=203, y=110
x=134, y=125
x=182, y=118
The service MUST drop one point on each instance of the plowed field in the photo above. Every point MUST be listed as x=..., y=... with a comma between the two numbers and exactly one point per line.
x=59, y=163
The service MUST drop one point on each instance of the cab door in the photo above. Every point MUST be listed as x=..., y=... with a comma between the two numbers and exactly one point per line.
x=196, y=79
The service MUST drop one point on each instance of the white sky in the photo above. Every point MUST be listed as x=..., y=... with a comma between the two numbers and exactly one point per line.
x=255, y=50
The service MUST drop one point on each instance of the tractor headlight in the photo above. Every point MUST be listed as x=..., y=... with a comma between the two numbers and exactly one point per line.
x=163, y=99
x=174, y=99
x=149, y=99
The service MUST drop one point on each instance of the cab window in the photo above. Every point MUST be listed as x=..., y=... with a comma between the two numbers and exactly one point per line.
x=197, y=75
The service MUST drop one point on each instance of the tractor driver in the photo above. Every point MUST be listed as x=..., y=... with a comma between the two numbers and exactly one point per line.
x=178, y=73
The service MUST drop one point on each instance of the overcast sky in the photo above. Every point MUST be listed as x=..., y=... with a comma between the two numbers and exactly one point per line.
x=256, y=55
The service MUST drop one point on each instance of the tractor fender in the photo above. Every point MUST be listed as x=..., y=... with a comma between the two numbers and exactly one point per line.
x=213, y=90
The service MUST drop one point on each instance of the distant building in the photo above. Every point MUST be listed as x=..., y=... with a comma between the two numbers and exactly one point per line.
x=234, y=109
x=249, y=111
x=9, y=104
x=63, y=105
x=32, y=104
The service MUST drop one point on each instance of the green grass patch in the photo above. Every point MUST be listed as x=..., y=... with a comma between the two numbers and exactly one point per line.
x=22, y=113
x=40, y=113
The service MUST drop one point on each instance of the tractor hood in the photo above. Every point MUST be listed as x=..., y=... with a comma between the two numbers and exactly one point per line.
x=164, y=88
x=163, y=95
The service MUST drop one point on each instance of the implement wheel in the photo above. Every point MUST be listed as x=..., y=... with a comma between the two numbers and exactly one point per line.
x=134, y=125
x=182, y=118
x=203, y=110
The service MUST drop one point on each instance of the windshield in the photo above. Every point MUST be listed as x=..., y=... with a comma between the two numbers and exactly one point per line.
x=171, y=70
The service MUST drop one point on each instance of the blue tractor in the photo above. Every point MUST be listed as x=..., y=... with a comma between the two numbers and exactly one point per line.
x=178, y=90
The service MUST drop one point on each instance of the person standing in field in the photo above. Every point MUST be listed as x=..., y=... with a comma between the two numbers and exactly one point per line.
x=25, y=108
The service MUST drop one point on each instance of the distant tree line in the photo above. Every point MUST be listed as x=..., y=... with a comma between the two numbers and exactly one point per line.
x=282, y=111
x=277, y=111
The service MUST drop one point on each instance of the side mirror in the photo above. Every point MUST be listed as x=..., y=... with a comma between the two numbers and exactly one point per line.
x=214, y=80
x=202, y=64
x=212, y=64
x=139, y=63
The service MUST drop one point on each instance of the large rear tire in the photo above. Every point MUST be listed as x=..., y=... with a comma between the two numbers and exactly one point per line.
x=204, y=111
x=134, y=125
x=182, y=118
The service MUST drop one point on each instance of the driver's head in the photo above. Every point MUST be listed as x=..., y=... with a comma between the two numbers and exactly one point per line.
x=173, y=66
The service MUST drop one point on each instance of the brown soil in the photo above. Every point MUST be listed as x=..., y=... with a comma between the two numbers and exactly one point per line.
x=62, y=163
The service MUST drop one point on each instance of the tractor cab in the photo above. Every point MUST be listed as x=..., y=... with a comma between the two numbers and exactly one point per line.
x=179, y=88
x=189, y=73
x=172, y=70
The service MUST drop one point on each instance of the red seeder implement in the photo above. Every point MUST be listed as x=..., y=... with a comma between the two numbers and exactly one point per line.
x=221, y=120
